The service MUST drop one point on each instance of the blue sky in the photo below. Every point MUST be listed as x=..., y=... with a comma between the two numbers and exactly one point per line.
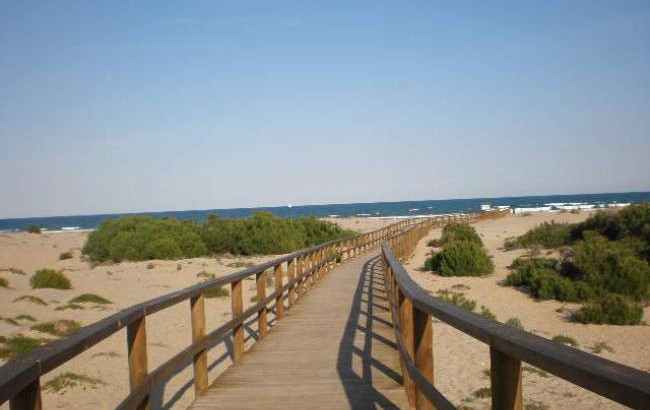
x=152, y=105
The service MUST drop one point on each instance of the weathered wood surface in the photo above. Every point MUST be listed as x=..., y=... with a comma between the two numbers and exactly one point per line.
x=334, y=350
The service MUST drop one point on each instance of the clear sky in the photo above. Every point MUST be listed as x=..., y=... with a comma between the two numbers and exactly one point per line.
x=165, y=105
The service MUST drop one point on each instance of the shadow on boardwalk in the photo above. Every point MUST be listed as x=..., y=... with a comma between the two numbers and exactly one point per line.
x=367, y=327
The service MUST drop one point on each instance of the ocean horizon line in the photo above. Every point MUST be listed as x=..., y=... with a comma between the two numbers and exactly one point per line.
x=291, y=205
x=359, y=209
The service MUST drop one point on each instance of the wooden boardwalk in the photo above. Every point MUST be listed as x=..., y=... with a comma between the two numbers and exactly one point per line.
x=334, y=350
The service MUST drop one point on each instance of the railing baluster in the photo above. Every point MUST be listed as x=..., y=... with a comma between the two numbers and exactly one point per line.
x=136, y=335
x=291, y=275
x=260, y=283
x=237, y=305
x=505, y=377
x=279, y=300
x=423, y=346
x=405, y=311
x=29, y=398
x=197, y=311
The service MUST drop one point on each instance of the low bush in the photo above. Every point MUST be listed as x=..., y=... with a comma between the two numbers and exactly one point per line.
x=34, y=229
x=90, y=298
x=69, y=380
x=17, y=345
x=457, y=298
x=611, y=309
x=565, y=340
x=62, y=327
x=4, y=283
x=31, y=299
x=460, y=232
x=633, y=220
x=461, y=259
x=143, y=238
x=49, y=278
x=612, y=266
x=515, y=322
x=546, y=235
x=217, y=292
x=544, y=279
x=487, y=313
x=482, y=393
x=65, y=255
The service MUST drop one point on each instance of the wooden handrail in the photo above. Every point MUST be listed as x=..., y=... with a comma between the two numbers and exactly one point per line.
x=412, y=308
x=20, y=377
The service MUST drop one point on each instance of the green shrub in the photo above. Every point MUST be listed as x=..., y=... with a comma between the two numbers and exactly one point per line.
x=61, y=327
x=546, y=235
x=32, y=299
x=630, y=221
x=34, y=229
x=17, y=345
x=435, y=243
x=544, y=279
x=144, y=238
x=482, y=393
x=460, y=232
x=49, y=278
x=610, y=309
x=487, y=313
x=264, y=233
x=70, y=380
x=565, y=340
x=217, y=292
x=612, y=267
x=90, y=298
x=65, y=255
x=457, y=298
x=462, y=259
x=514, y=322
x=4, y=283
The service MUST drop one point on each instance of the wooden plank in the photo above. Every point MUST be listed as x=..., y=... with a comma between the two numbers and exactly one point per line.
x=237, y=308
x=197, y=309
x=335, y=358
x=405, y=311
x=29, y=398
x=279, y=301
x=137, y=351
x=423, y=346
x=291, y=275
x=262, y=321
x=505, y=377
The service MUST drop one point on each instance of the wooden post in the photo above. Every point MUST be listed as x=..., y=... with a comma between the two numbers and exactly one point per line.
x=291, y=275
x=28, y=398
x=279, y=300
x=237, y=305
x=197, y=311
x=405, y=310
x=301, y=270
x=262, y=324
x=136, y=335
x=423, y=346
x=505, y=376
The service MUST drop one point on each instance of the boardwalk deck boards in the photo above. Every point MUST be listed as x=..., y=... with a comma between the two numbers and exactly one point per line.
x=334, y=350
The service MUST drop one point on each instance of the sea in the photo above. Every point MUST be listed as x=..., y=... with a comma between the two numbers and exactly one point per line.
x=371, y=210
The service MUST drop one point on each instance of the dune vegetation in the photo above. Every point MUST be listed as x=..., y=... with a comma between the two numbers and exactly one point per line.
x=141, y=238
x=604, y=262
x=462, y=252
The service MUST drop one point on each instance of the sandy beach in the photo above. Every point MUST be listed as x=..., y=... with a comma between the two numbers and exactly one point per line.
x=460, y=362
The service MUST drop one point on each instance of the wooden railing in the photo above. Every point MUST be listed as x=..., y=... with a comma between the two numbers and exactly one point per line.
x=20, y=378
x=412, y=308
